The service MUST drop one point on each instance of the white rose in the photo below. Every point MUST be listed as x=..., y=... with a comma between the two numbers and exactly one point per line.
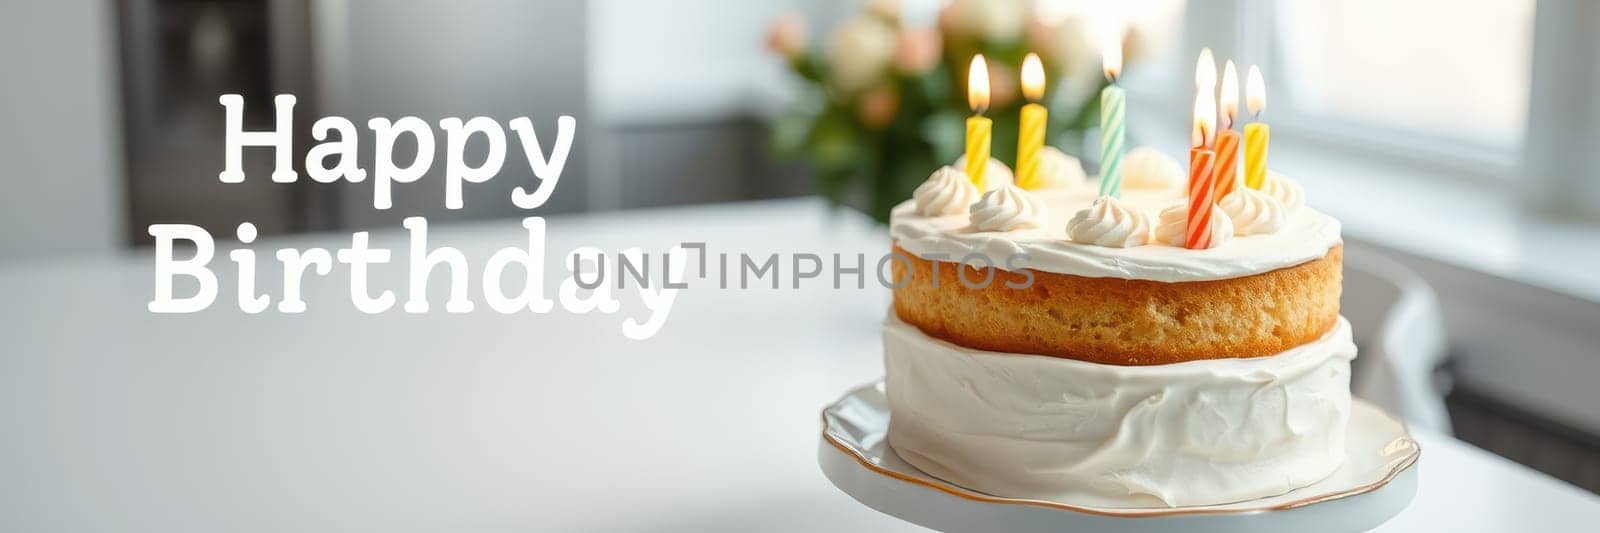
x=860, y=53
x=993, y=20
x=888, y=10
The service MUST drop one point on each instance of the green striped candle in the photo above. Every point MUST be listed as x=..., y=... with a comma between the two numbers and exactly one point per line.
x=1112, y=126
x=1112, y=132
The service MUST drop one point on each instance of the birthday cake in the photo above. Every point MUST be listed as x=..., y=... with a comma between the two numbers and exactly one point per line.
x=1060, y=344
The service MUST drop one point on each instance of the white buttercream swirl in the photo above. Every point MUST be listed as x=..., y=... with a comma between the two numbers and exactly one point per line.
x=1109, y=223
x=1306, y=235
x=1059, y=170
x=947, y=192
x=1252, y=212
x=1285, y=190
x=1185, y=434
x=1174, y=226
x=995, y=174
x=1007, y=208
x=1149, y=168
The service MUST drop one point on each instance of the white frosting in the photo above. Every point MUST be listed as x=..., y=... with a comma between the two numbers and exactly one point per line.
x=1109, y=223
x=947, y=192
x=1149, y=168
x=995, y=174
x=1185, y=434
x=1252, y=211
x=1008, y=208
x=1173, y=229
x=1285, y=190
x=1060, y=171
x=1306, y=235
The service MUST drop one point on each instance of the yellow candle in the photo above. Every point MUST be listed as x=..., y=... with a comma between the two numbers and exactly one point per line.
x=979, y=127
x=1256, y=134
x=1030, y=136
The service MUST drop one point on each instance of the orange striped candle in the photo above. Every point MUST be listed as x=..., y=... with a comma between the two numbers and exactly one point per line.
x=1202, y=179
x=1226, y=171
x=1202, y=201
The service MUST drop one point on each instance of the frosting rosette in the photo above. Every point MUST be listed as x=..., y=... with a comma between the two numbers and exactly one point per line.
x=1109, y=223
x=1285, y=190
x=947, y=192
x=1059, y=169
x=1007, y=208
x=1174, y=225
x=1253, y=212
x=1149, y=168
x=995, y=174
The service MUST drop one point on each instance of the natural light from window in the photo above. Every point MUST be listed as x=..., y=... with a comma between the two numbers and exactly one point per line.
x=1465, y=77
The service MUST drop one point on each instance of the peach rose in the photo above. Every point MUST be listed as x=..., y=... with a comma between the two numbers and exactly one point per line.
x=917, y=51
x=876, y=107
x=786, y=35
x=1004, y=84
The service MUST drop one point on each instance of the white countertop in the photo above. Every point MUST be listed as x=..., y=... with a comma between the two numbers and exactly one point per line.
x=117, y=419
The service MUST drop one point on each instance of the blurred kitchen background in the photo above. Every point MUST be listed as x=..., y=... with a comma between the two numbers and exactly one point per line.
x=1454, y=139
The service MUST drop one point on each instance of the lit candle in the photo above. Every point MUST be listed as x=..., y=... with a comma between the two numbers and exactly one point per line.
x=1030, y=134
x=979, y=127
x=1202, y=185
x=1205, y=73
x=1256, y=134
x=1112, y=128
x=1226, y=171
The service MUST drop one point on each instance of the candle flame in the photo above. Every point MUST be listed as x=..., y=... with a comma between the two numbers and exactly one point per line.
x=978, y=84
x=1111, y=54
x=1205, y=71
x=1255, y=91
x=1230, y=94
x=1032, y=78
x=1205, y=120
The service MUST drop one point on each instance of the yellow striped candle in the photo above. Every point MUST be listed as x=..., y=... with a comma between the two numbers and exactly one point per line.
x=979, y=128
x=1256, y=139
x=1257, y=135
x=1030, y=134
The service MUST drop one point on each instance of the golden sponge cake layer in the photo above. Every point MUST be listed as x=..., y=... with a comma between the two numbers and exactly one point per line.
x=1121, y=321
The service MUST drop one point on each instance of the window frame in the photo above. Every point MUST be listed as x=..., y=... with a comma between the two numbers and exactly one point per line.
x=1231, y=28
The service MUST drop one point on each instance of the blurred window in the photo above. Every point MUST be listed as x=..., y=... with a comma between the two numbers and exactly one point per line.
x=1437, y=67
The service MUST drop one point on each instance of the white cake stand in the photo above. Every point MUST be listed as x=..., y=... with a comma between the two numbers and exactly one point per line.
x=1377, y=481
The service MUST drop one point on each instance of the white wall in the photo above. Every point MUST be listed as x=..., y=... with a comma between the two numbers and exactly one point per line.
x=60, y=163
x=691, y=60
x=497, y=58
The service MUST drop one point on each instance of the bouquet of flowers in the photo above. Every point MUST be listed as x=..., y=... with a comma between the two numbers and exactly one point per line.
x=884, y=103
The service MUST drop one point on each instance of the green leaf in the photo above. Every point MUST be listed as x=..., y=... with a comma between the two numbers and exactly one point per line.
x=946, y=132
x=789, y=133
x=834, y=143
